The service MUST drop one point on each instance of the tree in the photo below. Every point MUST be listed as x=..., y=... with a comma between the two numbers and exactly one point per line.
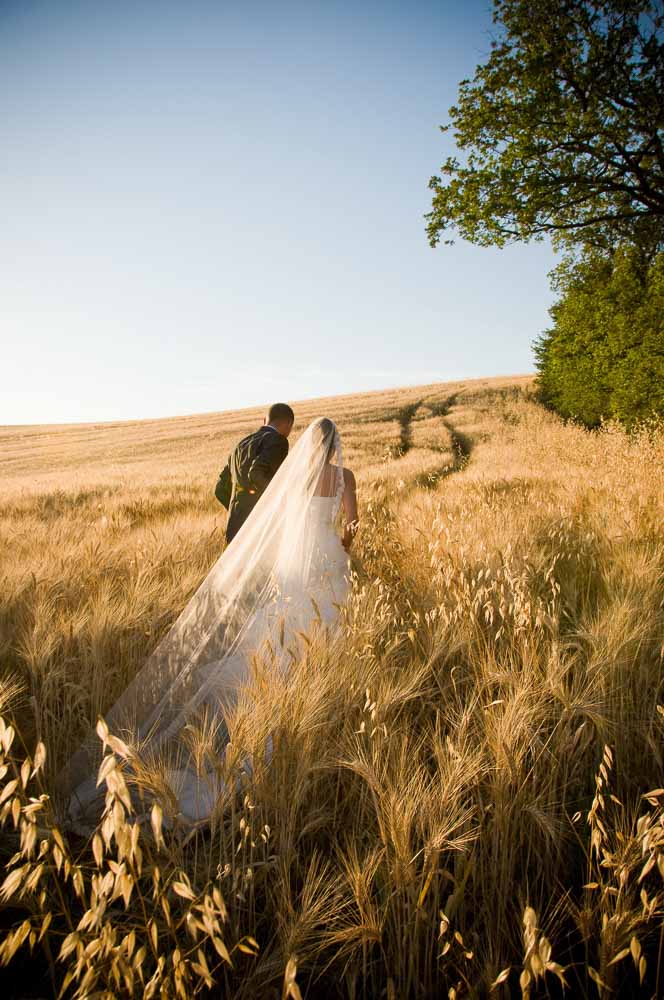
x=604, y=355
x=563, y=129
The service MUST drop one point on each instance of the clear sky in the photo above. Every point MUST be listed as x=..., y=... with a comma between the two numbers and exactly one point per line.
x=208, y=204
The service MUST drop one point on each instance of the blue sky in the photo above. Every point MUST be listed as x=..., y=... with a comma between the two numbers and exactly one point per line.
x=208, y=205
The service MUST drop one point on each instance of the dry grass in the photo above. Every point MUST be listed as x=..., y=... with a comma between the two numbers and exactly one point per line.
x=465, y=791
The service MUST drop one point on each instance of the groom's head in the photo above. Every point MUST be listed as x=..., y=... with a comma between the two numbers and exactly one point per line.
x=281, y=417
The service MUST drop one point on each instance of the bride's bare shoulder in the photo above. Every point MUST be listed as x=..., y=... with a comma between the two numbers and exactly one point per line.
x=349, y=478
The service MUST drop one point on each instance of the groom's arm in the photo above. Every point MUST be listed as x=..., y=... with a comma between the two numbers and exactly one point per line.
x=224, y=487
x=266, y=463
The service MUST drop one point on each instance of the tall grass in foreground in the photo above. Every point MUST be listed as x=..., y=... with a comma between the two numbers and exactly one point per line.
x=465, y=794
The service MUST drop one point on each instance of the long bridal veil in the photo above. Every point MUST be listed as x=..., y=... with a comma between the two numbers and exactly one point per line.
x=259, y=589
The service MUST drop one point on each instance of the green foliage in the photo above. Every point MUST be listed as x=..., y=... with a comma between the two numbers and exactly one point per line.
x=562, y=129
x=604, y=356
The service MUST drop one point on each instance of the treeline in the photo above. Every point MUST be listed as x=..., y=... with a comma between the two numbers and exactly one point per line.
x=603, y=357
x=563, y=134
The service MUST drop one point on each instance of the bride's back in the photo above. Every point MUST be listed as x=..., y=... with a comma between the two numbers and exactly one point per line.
x=327, y=483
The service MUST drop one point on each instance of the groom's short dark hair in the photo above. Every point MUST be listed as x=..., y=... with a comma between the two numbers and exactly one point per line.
x=280, y=411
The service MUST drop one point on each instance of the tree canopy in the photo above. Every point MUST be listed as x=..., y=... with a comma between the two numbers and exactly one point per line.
x=562, y=129
x=604, y=355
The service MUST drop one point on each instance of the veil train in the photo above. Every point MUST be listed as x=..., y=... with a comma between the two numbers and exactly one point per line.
x=260, y=589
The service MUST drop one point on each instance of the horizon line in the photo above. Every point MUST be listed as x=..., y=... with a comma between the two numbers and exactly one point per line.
x=256, y=406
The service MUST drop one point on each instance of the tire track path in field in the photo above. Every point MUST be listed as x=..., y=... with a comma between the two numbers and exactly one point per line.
x=405, y=418
x=460, y=443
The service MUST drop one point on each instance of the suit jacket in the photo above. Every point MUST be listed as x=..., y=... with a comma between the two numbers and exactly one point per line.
x=248, y=471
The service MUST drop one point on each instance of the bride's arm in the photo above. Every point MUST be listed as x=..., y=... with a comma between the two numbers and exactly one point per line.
x=350, y=509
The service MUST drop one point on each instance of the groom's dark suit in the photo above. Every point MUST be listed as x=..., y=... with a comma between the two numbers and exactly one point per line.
x=251, y=467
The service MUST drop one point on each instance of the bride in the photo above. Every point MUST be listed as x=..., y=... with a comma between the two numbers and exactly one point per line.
x=285, y=570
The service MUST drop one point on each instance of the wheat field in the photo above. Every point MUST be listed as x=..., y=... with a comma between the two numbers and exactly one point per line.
x=465, y=796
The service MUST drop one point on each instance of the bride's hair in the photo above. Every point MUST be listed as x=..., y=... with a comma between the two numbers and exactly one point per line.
x=328, y=436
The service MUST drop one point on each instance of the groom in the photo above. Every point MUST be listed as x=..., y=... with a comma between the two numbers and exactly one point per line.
x=252, y=465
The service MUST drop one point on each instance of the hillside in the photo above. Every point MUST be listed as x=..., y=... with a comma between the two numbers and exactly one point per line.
x=452, y=771
x=143, y=452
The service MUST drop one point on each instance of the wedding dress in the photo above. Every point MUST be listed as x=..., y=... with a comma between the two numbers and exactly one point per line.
x=284, y=571
x=325, y=590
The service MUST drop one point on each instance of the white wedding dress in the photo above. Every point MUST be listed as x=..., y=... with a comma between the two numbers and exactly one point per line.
x=285, y=570
x=325, y=591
